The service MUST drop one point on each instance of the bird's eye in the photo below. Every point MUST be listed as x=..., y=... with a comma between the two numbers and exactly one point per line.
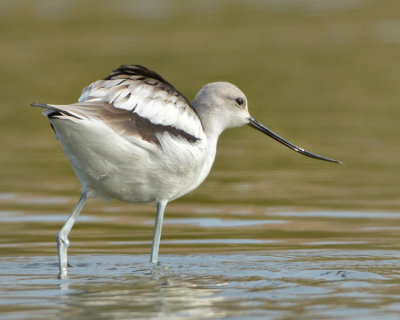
x=239, y=101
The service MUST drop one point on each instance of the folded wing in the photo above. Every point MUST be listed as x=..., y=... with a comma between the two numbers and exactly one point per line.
x=134, y=100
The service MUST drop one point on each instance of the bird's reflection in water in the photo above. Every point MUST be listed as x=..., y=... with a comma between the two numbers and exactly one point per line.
x=158, y=293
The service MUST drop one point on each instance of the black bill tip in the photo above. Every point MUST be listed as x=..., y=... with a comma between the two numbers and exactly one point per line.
x=259, y=126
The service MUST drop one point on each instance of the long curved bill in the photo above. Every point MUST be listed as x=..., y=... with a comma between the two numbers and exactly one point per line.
x=259, y=126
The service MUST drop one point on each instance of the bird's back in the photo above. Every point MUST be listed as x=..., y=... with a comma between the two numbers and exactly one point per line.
x=134, y=137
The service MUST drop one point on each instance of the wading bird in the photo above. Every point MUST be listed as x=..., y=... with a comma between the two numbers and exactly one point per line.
x=134, y=137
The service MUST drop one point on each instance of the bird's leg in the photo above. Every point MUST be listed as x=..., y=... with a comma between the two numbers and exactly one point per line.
x=62, y=237
x=157, y=230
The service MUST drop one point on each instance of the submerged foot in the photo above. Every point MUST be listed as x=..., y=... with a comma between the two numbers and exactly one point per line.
x=62, y=246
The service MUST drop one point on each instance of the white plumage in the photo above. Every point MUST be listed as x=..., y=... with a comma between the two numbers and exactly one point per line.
x=134, y=137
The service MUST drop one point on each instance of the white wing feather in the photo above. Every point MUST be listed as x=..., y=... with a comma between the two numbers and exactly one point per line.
x=148, y=101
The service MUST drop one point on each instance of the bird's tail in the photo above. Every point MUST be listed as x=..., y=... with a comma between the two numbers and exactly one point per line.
x=53, y=111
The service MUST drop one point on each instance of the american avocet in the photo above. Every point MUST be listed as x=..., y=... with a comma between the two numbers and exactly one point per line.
x=134, y=137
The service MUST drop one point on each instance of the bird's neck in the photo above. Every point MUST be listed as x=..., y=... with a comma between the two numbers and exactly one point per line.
x=212, y=125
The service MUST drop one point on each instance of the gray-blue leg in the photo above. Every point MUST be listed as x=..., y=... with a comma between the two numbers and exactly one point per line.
x=62, y=237
x=157, y=230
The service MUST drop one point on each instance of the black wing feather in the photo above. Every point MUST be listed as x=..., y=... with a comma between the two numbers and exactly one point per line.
x=143, y=73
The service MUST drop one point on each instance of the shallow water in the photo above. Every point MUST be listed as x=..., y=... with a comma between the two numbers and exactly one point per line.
x=300, y=284
x=270, y=234
x=215, y=263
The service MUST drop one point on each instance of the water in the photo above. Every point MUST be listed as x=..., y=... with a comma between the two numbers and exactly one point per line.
x=270, y=234
x=307, y=284
x=256, y=264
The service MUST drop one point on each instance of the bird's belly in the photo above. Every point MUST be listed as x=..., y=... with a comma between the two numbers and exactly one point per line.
x=132, y=171
x=138, y=186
